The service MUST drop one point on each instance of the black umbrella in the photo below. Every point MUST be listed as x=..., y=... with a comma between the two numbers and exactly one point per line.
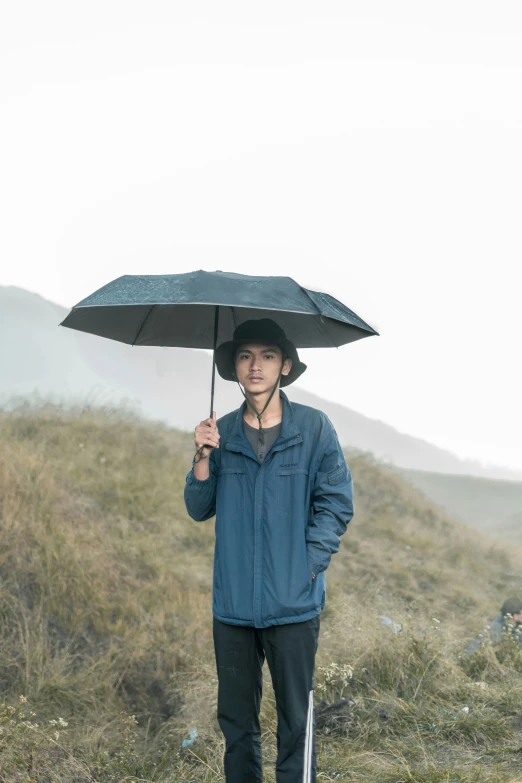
x=201, y=309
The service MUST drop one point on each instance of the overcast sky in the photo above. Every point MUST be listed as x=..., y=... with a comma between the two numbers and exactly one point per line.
x=372, y=150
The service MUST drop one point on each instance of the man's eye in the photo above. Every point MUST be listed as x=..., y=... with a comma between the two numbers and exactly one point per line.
x=246, y=356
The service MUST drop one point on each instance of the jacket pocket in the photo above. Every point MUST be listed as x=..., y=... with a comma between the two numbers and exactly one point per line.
x=338, y=475
x=230, y=492
x=292, y=485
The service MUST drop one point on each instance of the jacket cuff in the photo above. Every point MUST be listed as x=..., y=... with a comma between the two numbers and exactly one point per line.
x=316, y=562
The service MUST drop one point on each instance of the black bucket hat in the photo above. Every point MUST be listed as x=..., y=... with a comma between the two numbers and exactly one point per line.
x=263, y=331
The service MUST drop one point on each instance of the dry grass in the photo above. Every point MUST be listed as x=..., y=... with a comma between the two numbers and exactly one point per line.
x=105, y=609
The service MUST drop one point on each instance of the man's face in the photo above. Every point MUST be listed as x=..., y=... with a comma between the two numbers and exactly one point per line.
x=258, y=366
x=517, y=617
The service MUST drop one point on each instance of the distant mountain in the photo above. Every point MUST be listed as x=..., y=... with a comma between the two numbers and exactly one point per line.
x=39, y=358
x=397, y=448
x=490, y=505
x=511, y=526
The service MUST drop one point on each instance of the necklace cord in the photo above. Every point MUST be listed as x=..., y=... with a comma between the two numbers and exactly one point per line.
x=259, y=415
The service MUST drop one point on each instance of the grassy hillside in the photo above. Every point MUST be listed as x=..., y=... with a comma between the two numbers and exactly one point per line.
x=106, y=622
x=494, y=506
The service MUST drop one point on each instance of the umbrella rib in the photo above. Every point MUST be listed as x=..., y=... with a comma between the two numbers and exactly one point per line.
x=143, y=324
x=320, y=319
x=184, y=304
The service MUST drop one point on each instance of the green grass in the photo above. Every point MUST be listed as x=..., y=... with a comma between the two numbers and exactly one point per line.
x=105, y=611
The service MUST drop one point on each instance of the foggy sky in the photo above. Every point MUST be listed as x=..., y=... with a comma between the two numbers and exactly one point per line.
x=370, y=150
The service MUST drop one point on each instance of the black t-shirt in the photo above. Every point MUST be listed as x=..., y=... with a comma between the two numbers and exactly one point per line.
x=271, y=435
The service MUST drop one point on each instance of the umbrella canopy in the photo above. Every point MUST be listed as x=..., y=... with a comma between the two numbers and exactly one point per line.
x=202, y=309
x=180, y=310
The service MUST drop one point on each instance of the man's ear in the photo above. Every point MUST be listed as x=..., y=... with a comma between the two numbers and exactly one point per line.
x=287, y=366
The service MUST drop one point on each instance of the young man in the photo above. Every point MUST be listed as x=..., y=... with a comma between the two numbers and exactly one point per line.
x=274, y=475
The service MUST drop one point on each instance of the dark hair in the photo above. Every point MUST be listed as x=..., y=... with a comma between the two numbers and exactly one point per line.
x=511, y=606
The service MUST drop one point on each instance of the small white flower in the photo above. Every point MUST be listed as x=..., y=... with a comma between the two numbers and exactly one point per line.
x=62, y=722
x=435, y=620
x=465, y=709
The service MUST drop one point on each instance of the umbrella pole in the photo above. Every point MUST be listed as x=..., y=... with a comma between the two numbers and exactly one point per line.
x=216, y=323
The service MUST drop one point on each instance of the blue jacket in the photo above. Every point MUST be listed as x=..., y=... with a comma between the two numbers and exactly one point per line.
x=276, y=521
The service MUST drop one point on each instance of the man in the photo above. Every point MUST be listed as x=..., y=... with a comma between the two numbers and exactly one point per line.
x=509, y=622
x=274, y=475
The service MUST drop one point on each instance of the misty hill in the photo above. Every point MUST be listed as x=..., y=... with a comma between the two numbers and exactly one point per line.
x=169, y=384
x=106, y=613
x=491, y=505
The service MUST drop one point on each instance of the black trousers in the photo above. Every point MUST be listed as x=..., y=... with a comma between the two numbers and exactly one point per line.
x=290, y=652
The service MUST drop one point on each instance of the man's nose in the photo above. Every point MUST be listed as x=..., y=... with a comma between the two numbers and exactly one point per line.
x=255, y=364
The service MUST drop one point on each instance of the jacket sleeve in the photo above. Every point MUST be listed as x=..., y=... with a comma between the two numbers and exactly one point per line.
x=200, y=496
x=331, y=504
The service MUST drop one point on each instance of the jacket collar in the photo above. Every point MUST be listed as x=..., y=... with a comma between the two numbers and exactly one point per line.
x=289, y=435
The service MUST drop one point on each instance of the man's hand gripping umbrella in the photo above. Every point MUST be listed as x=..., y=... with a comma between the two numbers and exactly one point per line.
x=206, y=437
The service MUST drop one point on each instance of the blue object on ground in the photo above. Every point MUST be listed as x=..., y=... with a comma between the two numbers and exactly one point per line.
x=389, y=623
x=191, y=737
